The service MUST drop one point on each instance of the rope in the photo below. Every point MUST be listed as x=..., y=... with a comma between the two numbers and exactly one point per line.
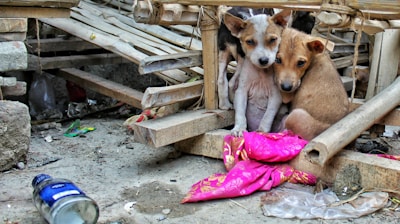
x=355, y=59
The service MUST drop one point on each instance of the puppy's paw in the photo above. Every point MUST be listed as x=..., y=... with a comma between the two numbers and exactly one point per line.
x=225, y=105
x=238, y=131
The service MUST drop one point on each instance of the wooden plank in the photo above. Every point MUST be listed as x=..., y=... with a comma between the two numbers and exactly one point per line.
x=88, y=33
x=385, y=5
x=180, y=126
x=103, y=86
x=386, y=55
x=377, y=173
x=33, y=12
x=59, y=44
x=346, y=61
x=41, y=3
x=209, y=33
x=35, y=63
x=161, y=96
x=160, y=63
x=9, y=25
x=209, y=144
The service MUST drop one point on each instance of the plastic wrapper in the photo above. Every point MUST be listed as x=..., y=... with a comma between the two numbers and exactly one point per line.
x=300, y=202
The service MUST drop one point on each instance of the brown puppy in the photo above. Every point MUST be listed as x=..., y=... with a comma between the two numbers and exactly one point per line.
x=308, y=79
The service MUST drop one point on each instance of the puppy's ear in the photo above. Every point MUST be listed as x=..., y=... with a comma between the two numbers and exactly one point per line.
x=283, y=18
x=316, y=46
x=234, y=24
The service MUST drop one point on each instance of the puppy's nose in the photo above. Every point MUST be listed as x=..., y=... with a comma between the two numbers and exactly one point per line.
x=286, y=87
x=263, y=61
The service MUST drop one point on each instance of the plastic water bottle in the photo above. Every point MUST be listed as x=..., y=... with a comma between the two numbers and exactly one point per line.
x=60, y=201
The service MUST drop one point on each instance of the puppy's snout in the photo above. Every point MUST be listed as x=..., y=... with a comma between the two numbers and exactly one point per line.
x=286, y=87
x=263, y=61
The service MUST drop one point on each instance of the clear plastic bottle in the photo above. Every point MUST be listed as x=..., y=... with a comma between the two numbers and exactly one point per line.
x=60, y=201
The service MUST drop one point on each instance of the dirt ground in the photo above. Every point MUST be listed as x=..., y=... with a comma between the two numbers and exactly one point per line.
x=131, y=182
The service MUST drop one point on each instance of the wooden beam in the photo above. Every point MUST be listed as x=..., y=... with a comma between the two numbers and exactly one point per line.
x=36, y=63
x=346, y=61
x=8, y=25
x=385, y=60
x=180, y=126
x=377, y=173
x=209, y=144
x=41, y=3
x=209, y=32
x=103, y=86
x=100, y=38
x=33, y=12
x=384, y=5
x=59, y=44
x=160, y=63
x=161, y=96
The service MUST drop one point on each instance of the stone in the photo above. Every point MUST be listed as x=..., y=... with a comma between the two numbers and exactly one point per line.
x=15, y=133
x=13, y=56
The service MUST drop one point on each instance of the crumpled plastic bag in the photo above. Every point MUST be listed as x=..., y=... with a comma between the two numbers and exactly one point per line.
x=300, y=202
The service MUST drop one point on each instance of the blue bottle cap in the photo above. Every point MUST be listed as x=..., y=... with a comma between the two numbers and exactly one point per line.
x=39, y=178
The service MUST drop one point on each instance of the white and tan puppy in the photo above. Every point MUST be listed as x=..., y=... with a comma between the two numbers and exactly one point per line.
x=257, y=98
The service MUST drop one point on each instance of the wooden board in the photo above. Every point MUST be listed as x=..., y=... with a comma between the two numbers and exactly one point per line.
x=160, y=63
x=208, y=144
x=36, y=63
x=180, y=126
x=385, y=5
x=161, y=96
x=59, y=44
x=385, y=60
x=41, y=3
x=33, y=12
x=103, y=86
x=9, y=25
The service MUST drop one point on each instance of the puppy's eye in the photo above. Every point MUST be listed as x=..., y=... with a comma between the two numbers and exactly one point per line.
x=250, y=42
x=301, y=64
x=278, y=60
x=272, y=40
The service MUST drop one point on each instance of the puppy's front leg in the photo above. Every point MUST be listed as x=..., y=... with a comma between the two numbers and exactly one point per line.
x=240, y=105
x=223, y=91
x=274, y=103
x=233, y=82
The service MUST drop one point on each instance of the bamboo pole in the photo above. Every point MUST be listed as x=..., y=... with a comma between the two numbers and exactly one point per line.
x=323, y=147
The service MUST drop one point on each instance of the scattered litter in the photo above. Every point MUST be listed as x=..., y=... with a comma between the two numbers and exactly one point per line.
x=75, y=129
x=166, y=211
x=48, y=138
x=300, y=202
x=21, y=165
x=161, y=217
x=129, y=206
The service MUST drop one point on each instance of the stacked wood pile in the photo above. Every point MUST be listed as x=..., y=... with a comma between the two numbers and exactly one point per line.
x=156, y=49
